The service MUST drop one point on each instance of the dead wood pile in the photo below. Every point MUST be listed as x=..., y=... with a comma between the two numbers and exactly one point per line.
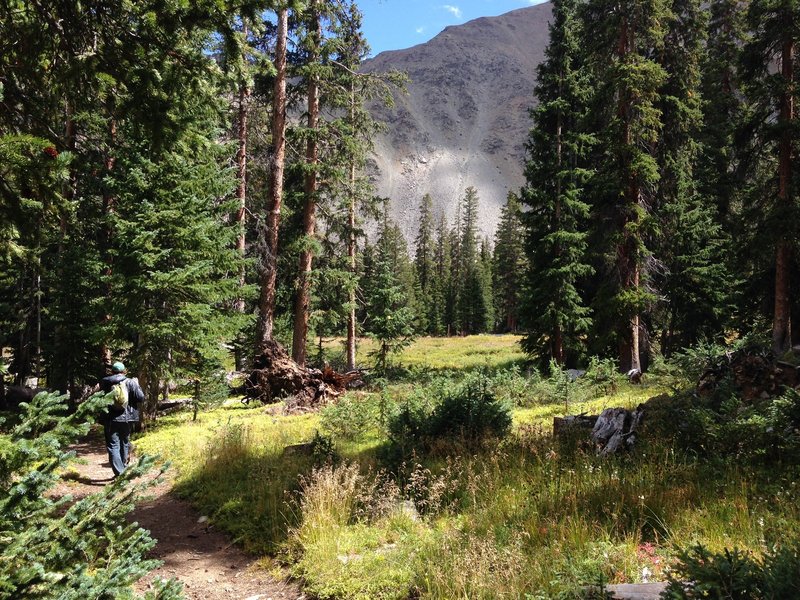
x=755, y=376
x=275, y=376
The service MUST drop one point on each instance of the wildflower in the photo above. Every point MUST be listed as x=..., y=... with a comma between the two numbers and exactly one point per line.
x=646, y=573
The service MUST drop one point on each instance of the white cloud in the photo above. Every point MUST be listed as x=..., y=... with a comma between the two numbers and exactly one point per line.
x=453, y=9
x=420, y=30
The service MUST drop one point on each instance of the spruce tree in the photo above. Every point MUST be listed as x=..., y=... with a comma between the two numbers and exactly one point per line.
x=54, y=547
x=720, y=172
x=689, y=243
x=623, y=41
x=424, y=266
x=390, y=319
x=772, y=95
x=442, y=278
x=125, y=92
x=509, y=265
x=555, y=314
x=473, y=308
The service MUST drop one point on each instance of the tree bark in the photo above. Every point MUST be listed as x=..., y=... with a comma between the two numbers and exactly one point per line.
x=109, y=207
x=781, y=326
x=628, y=254
x=269, y=266
x=351, y=253
x=303, y=297
x=241, y=188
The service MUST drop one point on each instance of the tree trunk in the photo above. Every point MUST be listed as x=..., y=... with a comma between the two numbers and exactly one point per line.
x=269, y=266
x=109, y=207
x=781, y=326
x=628, y=254
x=241, y=190
x=303, y=297
x=62, y=371
x=558, y=345
x=351, y=252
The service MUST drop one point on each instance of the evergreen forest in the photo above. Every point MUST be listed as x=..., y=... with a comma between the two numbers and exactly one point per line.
x=185, y=186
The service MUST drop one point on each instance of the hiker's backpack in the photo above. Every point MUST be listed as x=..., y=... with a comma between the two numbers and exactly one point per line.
x=119, y=395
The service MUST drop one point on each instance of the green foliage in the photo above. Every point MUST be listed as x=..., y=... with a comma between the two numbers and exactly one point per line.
x=765, y=430
x=735, y=574
x=472, y=286
x=604, y=374
x=211, y=388
x=555, y=312
x=353, y=416
x=468, y=412
x=390, y=318
x=509, y=264
x=471, y=412
x=57, y=547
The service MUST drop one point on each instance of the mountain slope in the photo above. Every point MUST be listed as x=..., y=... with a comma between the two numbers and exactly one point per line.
x=465, y=118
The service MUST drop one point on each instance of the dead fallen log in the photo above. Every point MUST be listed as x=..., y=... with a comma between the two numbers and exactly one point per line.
x=275, y=376
x=571, y=423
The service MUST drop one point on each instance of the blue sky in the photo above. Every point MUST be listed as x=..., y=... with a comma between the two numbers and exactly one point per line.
x=396, y=24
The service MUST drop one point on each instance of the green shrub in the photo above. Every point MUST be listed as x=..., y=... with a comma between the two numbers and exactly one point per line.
x=353, y=416
x=57, y=548
x=735, y=575
x=511, y=386
x=468, y=411
x=471, y=412
x=604, y=375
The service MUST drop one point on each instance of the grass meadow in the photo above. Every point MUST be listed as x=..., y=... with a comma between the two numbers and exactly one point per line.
x=524, y=517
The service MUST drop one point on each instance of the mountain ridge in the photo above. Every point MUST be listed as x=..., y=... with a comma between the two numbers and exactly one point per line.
x=464, y=121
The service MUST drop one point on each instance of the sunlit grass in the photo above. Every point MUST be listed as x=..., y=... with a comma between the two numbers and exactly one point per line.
x=446, y=353
x=531, y=517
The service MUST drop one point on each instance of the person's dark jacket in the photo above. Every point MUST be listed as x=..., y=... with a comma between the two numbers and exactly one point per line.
x=129, y=414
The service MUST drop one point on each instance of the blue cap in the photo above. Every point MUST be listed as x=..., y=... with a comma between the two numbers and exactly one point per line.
x=117, y=367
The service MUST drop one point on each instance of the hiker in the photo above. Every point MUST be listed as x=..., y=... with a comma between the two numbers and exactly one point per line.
x=122, y=413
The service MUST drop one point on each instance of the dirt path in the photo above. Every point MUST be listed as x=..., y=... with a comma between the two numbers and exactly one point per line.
x=192, y=551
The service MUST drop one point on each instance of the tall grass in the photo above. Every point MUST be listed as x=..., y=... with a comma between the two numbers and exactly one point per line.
x=531, y=517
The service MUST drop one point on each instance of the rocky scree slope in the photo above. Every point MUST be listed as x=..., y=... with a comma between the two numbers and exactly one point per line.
x=464, y=121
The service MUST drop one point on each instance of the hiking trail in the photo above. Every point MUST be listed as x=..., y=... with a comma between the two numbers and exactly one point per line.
x=192, y=550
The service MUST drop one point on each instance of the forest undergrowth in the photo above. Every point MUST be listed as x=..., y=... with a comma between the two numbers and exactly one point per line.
x=452, y=485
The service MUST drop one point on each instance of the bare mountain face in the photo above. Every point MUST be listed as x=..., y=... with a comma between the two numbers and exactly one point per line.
x=464, y=121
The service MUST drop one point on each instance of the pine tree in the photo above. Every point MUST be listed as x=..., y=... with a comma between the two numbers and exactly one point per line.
x=302, y=304
x=54, y=548
x=555, y=314
x=125, y=92
x=390, y=320
x=270, y=222
x=720, y=173
x=455, y=280
x=509, y=264
x=442, y=279
x=425, y=267
x=775, y=28
x=690, y=245
x=473, y=309
x=350, y=190
x=623, y=40
x=486, y=277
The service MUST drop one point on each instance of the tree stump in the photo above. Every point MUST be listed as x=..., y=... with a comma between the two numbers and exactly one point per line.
x=616, y=429
x=612, y=430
